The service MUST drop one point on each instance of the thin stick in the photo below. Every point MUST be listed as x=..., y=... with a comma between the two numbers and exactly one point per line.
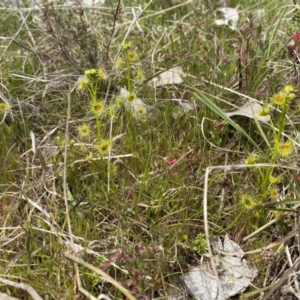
x=109, y=154
x=206, y=230
x=28, y=288
x=65, y=188
x=285, y=276
x=104, y=276
x=65, y=185
x=112, y=30
x=6, y=297
x=259, y=230
x=24, y=22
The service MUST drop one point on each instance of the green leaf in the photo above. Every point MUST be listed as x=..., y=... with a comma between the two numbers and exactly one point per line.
x=212, y=106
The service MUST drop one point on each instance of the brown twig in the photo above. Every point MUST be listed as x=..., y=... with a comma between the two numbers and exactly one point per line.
x=112, y=30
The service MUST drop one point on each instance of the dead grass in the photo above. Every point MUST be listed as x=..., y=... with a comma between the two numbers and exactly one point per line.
x=76, y=223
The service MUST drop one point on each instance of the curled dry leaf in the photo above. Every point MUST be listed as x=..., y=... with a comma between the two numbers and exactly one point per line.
x=251, y=109
x=138, y=107
x=234, y=274
x=184, y=106
x=231, y=17
x=171, y=76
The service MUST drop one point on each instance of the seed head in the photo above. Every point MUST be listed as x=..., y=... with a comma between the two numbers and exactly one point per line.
x=288, y=88
x=126, y=46
x=90, y=72
x=82, y=83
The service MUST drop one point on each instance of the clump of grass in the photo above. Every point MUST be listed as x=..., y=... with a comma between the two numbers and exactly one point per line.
x=115, y=175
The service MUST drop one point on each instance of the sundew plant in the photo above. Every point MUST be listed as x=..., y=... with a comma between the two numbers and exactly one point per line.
x=133, y=134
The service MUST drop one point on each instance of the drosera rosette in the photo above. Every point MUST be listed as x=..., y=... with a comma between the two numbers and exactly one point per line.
x=140, y=76
x=126, y=45
x=131, y=97
x=251, y=159
x=274, y=179
x=112, y=111
x=279, y=99
x=283, y=97
x=282, y=100
x=253, y=215
x=132, y=55
x=278, y=214
x=274, y=193
x=284, y=149
x=132, y=103
x=82, y=83
x=4, y=107
x=84, y=130
x=289, y=89
x=248, y=202
x=119, y=63
x=97, y=107
x=265, y=111
x=102, y=74
x=104, y=146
